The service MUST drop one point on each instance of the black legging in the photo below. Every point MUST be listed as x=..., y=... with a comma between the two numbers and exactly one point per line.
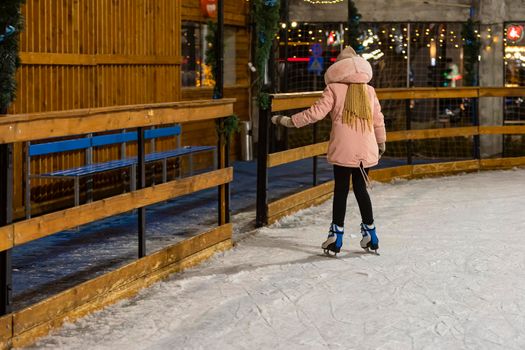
x=342, y=186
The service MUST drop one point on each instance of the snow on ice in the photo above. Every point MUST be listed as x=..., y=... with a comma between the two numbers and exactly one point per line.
x=450, y=276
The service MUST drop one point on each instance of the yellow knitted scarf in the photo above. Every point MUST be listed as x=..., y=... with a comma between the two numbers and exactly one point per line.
x=357, y=107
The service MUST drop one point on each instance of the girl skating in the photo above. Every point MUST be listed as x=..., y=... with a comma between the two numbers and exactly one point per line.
x=357, y=141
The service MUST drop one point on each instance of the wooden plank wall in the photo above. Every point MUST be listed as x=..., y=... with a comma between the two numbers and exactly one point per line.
x=235, y=15
x=93, y=53
x=97, y=53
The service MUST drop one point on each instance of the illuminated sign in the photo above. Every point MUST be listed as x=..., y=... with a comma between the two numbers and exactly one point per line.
x=515, y=32
x=209, y=8
x=334, y=38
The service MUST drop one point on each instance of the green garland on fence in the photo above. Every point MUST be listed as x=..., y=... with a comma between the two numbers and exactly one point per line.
x=264, y=100
x=354, y=17
x=11, y=23
x=226, y=127
x=471, y=51
x=229, y=126
x=266, y=17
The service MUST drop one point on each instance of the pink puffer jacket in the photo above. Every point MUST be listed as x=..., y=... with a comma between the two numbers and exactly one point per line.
x=347, y=147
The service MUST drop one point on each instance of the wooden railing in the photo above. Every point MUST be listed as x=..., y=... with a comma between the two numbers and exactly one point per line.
x=269, y=212
x=20, y=327
x=283, y=102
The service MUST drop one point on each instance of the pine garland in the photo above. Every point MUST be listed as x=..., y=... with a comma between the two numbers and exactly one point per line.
x=471, y=49
x=229, y=126
x=266, y=18
x=11, y=23
x=354, y=17
x=226, y=127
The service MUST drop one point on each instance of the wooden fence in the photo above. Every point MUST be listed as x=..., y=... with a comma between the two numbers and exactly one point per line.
x=270, y=212
x=23, y=326
x=91, y=54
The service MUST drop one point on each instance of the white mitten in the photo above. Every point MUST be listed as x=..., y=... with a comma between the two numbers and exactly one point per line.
x=382, y=148
x=283, y=120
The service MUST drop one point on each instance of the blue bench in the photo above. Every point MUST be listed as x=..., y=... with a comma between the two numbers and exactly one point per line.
x=88, y=143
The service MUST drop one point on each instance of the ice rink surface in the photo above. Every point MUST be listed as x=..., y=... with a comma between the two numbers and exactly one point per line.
x=451, y=275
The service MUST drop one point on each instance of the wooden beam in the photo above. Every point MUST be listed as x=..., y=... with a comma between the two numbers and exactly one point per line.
x=300, y=198
x=387, y=174
x=62, y=59
x=283, y=102
x=6, y=331
x=295, y=154
x=39, y=319
x=317, y=149
x=502, y=163
x=46, y=225
x=6, y=237
x=424, y=93
x=37, y=126
x=502, y=130
x=444, y=168
x=312, y=202
x=321, y=193
x=431, y=133
x=501, y=91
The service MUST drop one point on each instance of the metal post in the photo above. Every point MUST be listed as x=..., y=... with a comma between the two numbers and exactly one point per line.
x=286, y=19
x=223, y=190
x=223, y=160
x=164, y=170
x=222, y=144
x=89, y=179
x=6, y=217
x=76, y=181
x=475, y=121
x=142, y=183
x=28, y=182
x=408, y=54
x=220, y=158
x=227, y=185
x=219, y=86
x=152, y=167
x=262, y=169
x=348, y=23
x=409, y=144
x=315, y=157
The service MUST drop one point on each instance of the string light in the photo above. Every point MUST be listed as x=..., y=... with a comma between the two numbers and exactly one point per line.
x=323, y=2
x=394, y=40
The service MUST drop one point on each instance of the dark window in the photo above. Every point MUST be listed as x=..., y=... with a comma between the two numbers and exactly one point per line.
x=195, y=72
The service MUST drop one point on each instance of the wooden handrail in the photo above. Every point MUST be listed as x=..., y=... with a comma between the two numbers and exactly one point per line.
x=425, y=134
x=424, y=93
x=294, y=154
x=29, y=230
x=501, y=91
x=320, y=193
x=287, y=101
x=37, y=126
x=502, y=130
x=318, y=149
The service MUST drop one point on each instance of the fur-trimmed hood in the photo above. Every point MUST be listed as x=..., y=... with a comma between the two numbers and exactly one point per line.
x=349, y=70
x=349, y=146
